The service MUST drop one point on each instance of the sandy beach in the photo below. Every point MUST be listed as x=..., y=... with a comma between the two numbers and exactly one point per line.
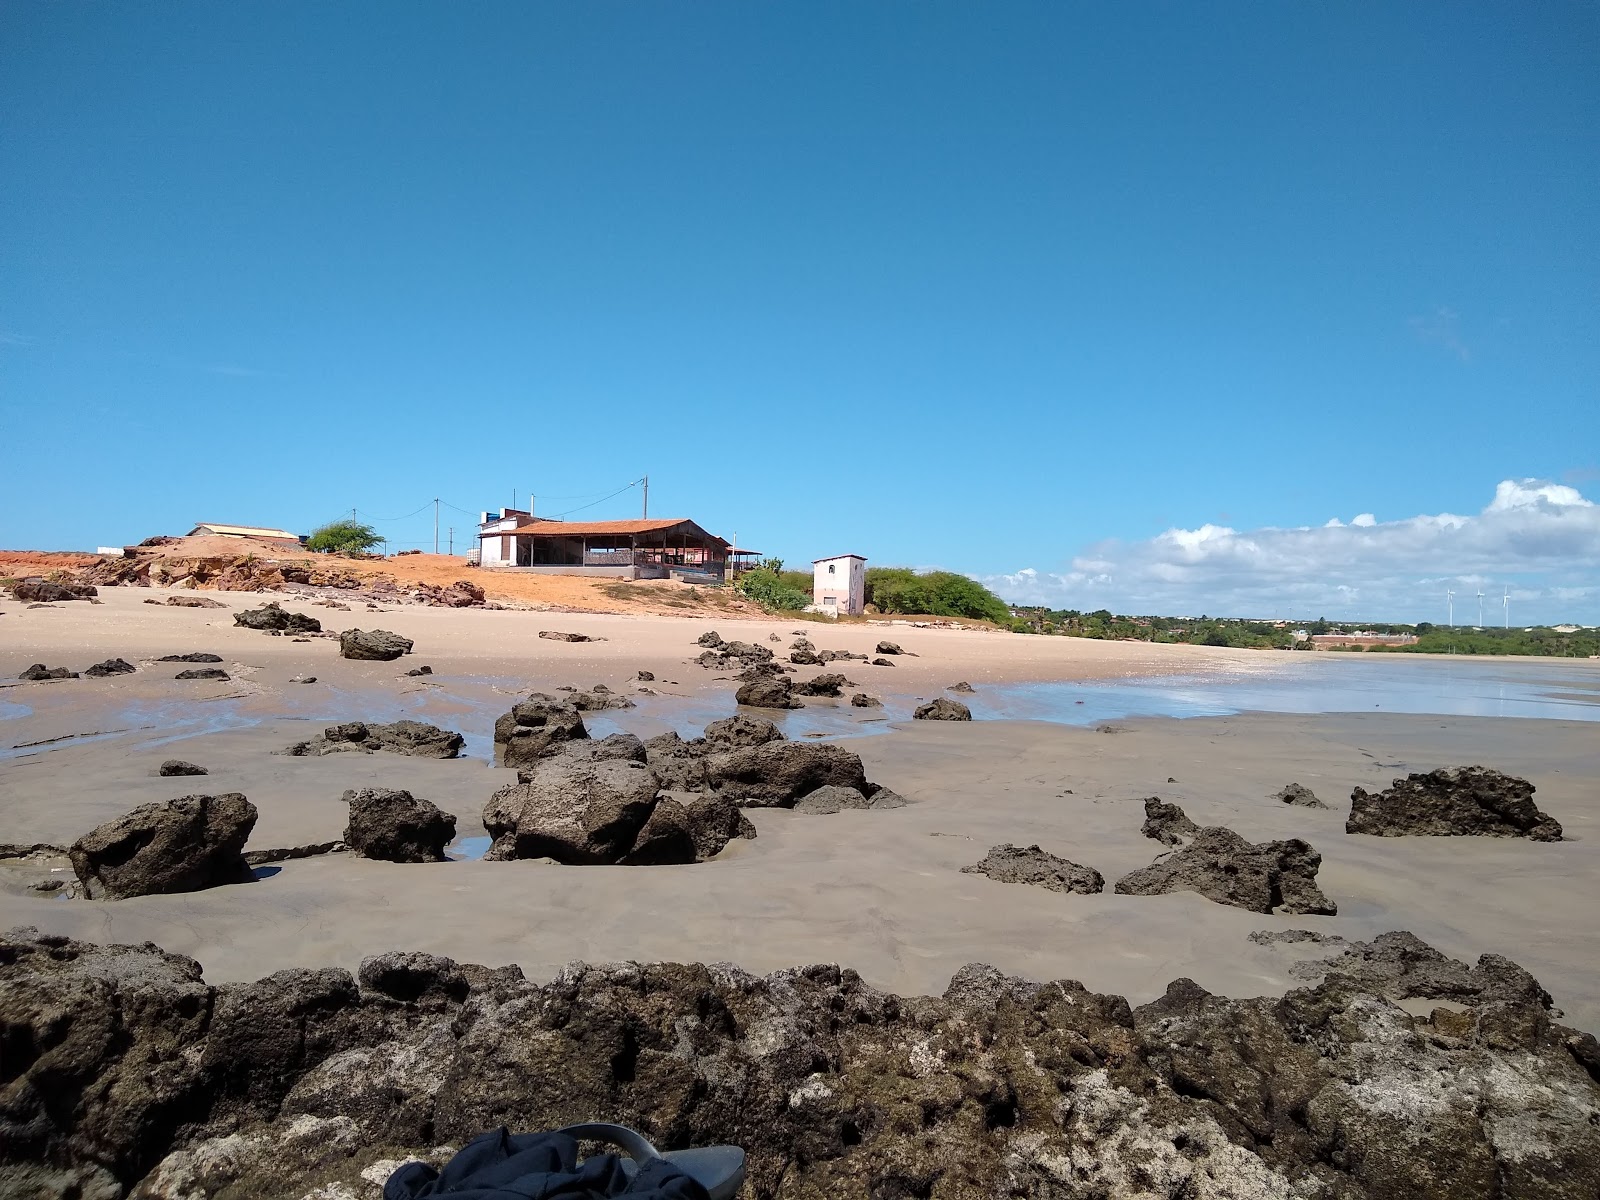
x=882, y=892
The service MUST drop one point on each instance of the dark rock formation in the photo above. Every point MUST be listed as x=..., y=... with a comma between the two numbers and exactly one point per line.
x=111, y=666
x=1302, y=797
x=739, y=731
x=414, y=738
x=176, y=766
x=190, y=602
x=124, y=1065
x=777, y=774
x=49, y=591
x=828, y=656
x=804, y=658
x=302, y=679
x=423, y=670
x=1452, y=801
x=679, y=764
x=258, y=858
x=1220, y=865
x=623, y=746
x=888, y=648
x=942, y=708
x=826, y=684
x=198, y=656
x=396, y=826
x=881, y=662
x=1029, y=864
x=574, y=811
x=711, y=638
x=963, y=687
x=38, y=672
x=882, y=797
x=273, y=617
x=203, y=673
x=646, y=677
x=1166, y=823
x=184, y=845
x=555, y=635
x=769, y=691
x=378, y=645
x=535, y=727
x=598, y=699
x=862, y=700
x=830, y=798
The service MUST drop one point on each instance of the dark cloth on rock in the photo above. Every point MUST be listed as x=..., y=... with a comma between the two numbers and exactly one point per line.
x=500, y=1165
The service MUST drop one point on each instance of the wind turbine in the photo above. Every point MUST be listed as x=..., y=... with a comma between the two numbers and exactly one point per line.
x=1450, y=606
x=1505, y=602
x=1480, y=608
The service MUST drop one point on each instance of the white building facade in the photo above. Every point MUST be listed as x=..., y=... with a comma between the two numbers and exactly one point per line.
x=839, y=585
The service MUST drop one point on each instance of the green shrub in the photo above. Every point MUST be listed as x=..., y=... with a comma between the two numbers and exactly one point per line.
x=933, y=593
x=343, y=537
x=767, y=589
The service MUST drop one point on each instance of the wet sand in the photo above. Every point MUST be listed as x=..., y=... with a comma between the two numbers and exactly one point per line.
x=879, y=891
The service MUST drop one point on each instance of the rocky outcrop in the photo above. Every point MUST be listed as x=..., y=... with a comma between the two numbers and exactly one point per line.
x=585, y=808
x=274, y=618
x=38, y=673
x=862, y=700
x=415, y=738
x=556, y=635
x=459, y=594
x=1220, y=865
x=124, y=1065
x=189, y=602
x=710, y=639
x=828, y=656
x=1453, y=801
x=184, y=845
x=376, y=645
x=739, y=731
x=1029, y=864
x=942, y=708
x=777, y=774
x=599, y=698
x=722, y=655
x=1298, y=795
x=1166, y=823
x=826, y=684
x=203, y=673
x=198, y=656
x=804, y=657
x=767, y=691
x=176, y=766
x=49, y=591
x=535, y=727
x=111, y=666
x=888, y=648
x=963, y=687
x=396, y=826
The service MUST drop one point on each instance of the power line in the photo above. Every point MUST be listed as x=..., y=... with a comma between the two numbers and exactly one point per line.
x=602, y=499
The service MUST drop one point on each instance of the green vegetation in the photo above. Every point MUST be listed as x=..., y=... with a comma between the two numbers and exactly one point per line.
x=770, y=591
x=1539, y=640
x=1279, y=635
x=933, y=593
x=343, y=537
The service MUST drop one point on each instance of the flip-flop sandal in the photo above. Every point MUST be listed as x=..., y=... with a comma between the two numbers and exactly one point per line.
x=718, y=1169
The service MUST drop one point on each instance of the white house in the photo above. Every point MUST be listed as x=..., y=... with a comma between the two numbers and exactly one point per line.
x=839, y=585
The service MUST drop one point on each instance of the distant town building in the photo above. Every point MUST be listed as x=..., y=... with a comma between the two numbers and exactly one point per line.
x=839, y=585
x=1359, y=640
x=510, y=539
x=257, y=533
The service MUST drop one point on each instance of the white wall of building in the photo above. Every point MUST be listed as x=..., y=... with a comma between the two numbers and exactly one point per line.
x=493, y=520
x=839, y=585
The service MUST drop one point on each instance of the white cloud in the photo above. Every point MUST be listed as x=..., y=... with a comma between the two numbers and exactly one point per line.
x=1540, y=539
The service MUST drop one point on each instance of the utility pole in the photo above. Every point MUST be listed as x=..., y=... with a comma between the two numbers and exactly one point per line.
x=452, y=541
x=646, y=482
x=352, y=516
x=436, y=524
x=531, y=499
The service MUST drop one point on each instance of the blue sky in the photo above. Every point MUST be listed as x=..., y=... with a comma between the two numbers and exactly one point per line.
x=1003, y=288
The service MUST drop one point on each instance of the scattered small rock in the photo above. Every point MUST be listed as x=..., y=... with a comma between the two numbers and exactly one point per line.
x=198, y=656
x=395, y=826
x=202, y=673
x=1294, y=793
x=377, y=645
x=942, y=709
x=420, y=671
x=111, y=666
x=413, y=738
x=963, y=687
x=190, y=602
x=881, y=662
x=39, y=672
x=830, y=798
x=554, y=635
x=176, y=766
x=646, y=677
x=274, y=618
x=1166, y=823
x=302, y=679
x=862, y=700
x=826, y=684
x=1221, y=866
x=769, y=691
x=1029, y=864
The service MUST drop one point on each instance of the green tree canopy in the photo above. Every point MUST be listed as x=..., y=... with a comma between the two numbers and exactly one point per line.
x=933, y=593
x=343, y=537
